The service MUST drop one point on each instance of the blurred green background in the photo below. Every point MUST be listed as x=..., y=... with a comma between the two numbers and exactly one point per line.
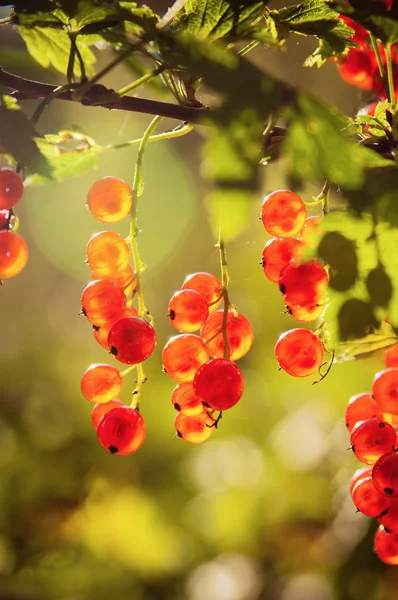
x=261, y=510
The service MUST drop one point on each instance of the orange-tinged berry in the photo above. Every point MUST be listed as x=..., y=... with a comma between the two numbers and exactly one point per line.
x=239, y=335
x=299, y=352
x=207, y=285
x=11, y=188
x=107, y=253
x=306, y=314
x=385, y=391
x=389, y=519
x=219, y=383
x=183, y=355
x=99, y=410
x=368, y=499
x=304, y=283
x=132, y=340
x=124, y=279
x=358, y=475
x=101, y=334
x=386, y=545
x=283, y=213
x=109, y=199
x=121, y=431
x=357, y=69
x=195, y=429
x=185, y=400
x=371, y=439
x=277, y=253
x=13, y=254
x=391, y=357
x=101, y=383
x=385, y=474
x=187, y=311
x=103, y=302
x=311, y=232
x=360, y=408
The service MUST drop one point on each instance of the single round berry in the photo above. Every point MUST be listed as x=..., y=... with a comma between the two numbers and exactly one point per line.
x=107, y=253
x=11, y=188
x=185, y=400
x=109, y=199
x=132, y=340
x=385, y=474
x=187, y=311
x=13, y=254
x=121, y=431
x=219, y=383
x=99, y=410
x=368, y=499
x=371, y=439
x=4, y=219
x=391, y=357
x=360, y=408
x=357, y=69
x=358, y=475
x=299, y=352
x=103, y=302
x=311, y=232
x=239, y=335
x=389, y=519
x=101, y=334
x=183, y=355
x=304, y=283
x=124, y=279
x=283, y=213
x=277, y=254
x=207, y=285
x=306, y=314
x=195, y=429
x=385, y=391
x=386, y=545
x=101, y=383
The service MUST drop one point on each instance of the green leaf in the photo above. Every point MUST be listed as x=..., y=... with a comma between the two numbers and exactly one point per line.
x=375, y=17
x=362, y=347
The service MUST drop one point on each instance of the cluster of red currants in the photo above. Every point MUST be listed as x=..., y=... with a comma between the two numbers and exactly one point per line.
x=372, y=420
x=359, y=66
x=13, y=248
x=106, y=302
x=303, y=283
x=203, y=365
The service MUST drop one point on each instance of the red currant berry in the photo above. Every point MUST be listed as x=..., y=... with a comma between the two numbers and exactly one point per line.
x=185, y=400
x=107, y=253
x=304, y=283
x=207, y=285
x=371, y=439
x=13, y=254
x=283, y=213
x=219, y=383
x=121, y=431
x=278, y=253
x=11, y=188
x=187, y=311
x=101, y=334
x=195, y=429
x=385, y=474
x=368, y=499
x=4, y=219
x=103, y=302
x=299, y=352
x=101, y=383
x=183, y=355
x=391, y=357
x=124, y=279
x=357, y=69
x=386, y=546
x=239, y=334
x=132, y=340
x=311, y=232
x=385, y=391
x=358, y=475
x=99, y=410
x=389, y=519
x=306, y=314
x=109, y=199
x=360, y=408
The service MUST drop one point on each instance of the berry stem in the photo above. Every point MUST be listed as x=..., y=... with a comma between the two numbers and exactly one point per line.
x=225, y=283
x=247, y=48
x=135, y=84
x=382, y=70
x=391, y=90
x=178, y=131
x=141, y=379
x=127, y=371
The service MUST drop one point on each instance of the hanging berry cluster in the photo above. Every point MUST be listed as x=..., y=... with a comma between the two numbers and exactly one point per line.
x=13, y=248
x=107, y=304
x=303, y=283
x=204, y=365
x=372, y=420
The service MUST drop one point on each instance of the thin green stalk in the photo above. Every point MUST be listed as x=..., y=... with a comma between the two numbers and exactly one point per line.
x=46, y=101
x=391, y=90
x=127, y=371
x=382, y=70
x=141, y=379
x=166, y=135
x=247, y=48
x=135, y=84
x=225, y=285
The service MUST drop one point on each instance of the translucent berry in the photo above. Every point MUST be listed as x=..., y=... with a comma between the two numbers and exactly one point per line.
x=4, y=219
x=371, y=439
x=311, y=232
x=386, y=545
x=13, y=254
x=360, y=408
x=132, y=340
x=103, y=302
x=207, y=285
x=183, y=355
x=299, y=352
x=385, y=474
x=109, y=199
x=239, y=334
x=11, y=188
x=187, y=311
x=385, y=391
x=358, y=475
x=357, y=69
x=283, y=213
x=391, y=357
x=368, y=499
x=390, y=517
x=219, y=383
x=195, y=429
x=185, y=400
x=101, y=383
x=304, y=283
x=278, y=253
x=101, y=334
x=99, y=410
x=306, y=314
x=121, y=431
x=107, y=253
x=125, y=279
